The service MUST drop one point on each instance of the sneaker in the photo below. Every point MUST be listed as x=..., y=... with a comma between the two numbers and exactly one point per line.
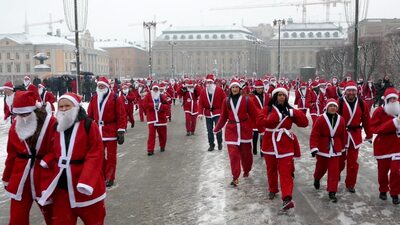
x=351, y=189
x=211, y=148
x=220, y=146
x=317, y=184
x=162, y=149
x=246, y=174
x=271, y=195
x=395, y=199
x=332, y=197
x=235, y=183
x=287, y=204
x=109, y=183
x=150, y=153
x=383, y=196
x=188, y=134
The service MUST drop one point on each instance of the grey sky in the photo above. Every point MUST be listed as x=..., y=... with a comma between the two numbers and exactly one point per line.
x=110, y=19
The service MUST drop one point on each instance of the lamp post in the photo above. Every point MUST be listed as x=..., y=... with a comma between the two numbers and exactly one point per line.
x=255, y=43
x=172, y=44
x=279, y=23
x=148, y=26
x=72, y=12
x=355, y=75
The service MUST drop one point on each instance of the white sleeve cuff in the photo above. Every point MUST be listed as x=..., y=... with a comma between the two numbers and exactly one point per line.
x=314, y=150
x=121, y=130
x=396, y=124
x=291, y=112
x=43, y=164
x=84, y=189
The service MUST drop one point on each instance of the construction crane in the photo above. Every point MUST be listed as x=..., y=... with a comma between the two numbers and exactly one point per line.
x=49, y=23
x=145, y=29
x=303, y=4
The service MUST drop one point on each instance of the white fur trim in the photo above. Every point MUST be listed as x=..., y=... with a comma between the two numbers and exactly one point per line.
x=22, y=110
x=9, y=88
x=280, y=89
x=350, y=88
x=208, y=80
x=331, y=103
x=104, y=83
x=234, y=83
x=84, y=189
x=122, y=130
x=69, y=97
x=391, y=96
x=314, y=150
x=43, y=164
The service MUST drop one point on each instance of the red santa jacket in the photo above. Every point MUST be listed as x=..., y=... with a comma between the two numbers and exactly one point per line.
x=278, y=140
x=156, y=116
x=315, y=102
x=260, y=105
x=189, y=102
x=128, y=101
x=354, y=119
x=19, y=158
x=48, y=97
x=327, y=140
x=34, y=89
x=387, y=128
x=211, y=107
x=332, y=92
x=369, y=93
x=237, y=119
x=111, y=117
x=82, y=160
x=300, y=98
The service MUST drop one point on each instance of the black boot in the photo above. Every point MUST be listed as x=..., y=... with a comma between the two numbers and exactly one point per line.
x=211, y=148
x=109, y=183
x=235, y=183
x=162, y=149
x=351, y=189
x=150, y=153
x=219, y=146
x=188, y=134
x=271, y=195
x=317, y=184
x=332, y=197
x=383, y=196
x=395, y=199
x=287, y=203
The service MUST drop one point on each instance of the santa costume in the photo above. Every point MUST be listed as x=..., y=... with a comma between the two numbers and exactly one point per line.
x=190, y=93
x=128, y=98
x=300, y=97
x=108, y=111
x=315, y=101
x=77, y=188
x=31, y=87
x=327, y=140
x=30, y=158
x=8, y=87
x=385, y=123
x=46, y=97
x=259, y=100
x=369, y=94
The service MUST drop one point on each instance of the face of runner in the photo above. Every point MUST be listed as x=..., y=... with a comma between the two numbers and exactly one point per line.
x=351, y=94
x=332, y=109
x=281, y=98
x=259, y=90
x=235, y=90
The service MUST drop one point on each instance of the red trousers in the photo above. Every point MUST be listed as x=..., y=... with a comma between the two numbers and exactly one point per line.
x=162, y=137
x=110, y=159
x=65, y=215
x=240, y=155
x=285, y=168
x=190, y=122
x=385, y=180
x=141, y=113
x=351, y=156
x=19, y=210
x=129, y=113
x=332, y=166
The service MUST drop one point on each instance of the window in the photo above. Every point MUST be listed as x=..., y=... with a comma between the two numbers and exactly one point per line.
x=294, y=35
x=214, y=36
x=27, y=56
x=166, y=37
x=191, y=36
x=16, y=55
x=302, y=35
x=319, y=34
x=335, y=34
x=7, y=43
x=1, y=68
x=311, y=34
x=0, y=55
x=223, y=36
x=48, y=54
x=18, y=68
x=175, y=37
x=231, y=36
x=286, y=35
x=198, y=36
x=327, y=34
x=28, y=67
x=8, y=55
x=183, y=37
x=9, y=68
x=206, y=36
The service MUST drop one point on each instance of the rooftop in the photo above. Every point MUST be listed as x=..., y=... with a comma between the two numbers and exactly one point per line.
x=104, y=44
x=309, y=31
x=27, y=39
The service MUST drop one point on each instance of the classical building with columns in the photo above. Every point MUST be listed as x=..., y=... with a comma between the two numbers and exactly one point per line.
x=196, y=51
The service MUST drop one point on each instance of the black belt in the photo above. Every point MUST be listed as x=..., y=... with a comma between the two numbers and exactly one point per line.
x=27, y=156
x=233, y=121
x=353, y=127
x=76, y=161
x=102, y=123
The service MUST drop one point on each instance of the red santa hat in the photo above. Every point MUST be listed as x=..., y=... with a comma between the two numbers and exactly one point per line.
x=104, y=81
x=74, y=98
x=162, y=86
x=304, y=84
x=266, y=78
x=155, y=85
x=322, y=82
x=210, y=78
x=351, y=85
x=280, y=89
x=331, y=101
x=258, y=84
x=8, y=85
x=314, y=84
x=25, y=102
x=41, y=85
x=272, y=79
x=125, y=85
x=234, y=82
x=189, y=83
x=391, y=92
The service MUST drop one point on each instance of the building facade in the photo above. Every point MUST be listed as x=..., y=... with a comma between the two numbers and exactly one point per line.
x=196, y=51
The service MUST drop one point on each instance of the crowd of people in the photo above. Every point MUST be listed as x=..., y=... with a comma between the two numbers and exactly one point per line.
x=64, y=157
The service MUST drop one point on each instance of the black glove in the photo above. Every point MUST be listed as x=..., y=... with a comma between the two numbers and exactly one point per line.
x=314, y=153
x=184, y=89
x=211, y=109
x=120, y=138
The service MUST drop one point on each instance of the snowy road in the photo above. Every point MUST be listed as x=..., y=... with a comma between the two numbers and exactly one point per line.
x=188, y=185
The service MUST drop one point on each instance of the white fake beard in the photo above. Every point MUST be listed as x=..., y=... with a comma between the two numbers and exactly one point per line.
x=273, y=83
x=101, y=92
x=392, y=108
x=125, y=91
x=334, y=82
x=303, y=91
x=191, y=90
x=155, y=94
x=26, y=83
x=211, y=89
x=10, y=100
x=26, y=126
x=323, y=90
x=67, y=118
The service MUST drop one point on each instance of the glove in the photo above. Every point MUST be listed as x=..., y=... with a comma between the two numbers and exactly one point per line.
x=211, y=109
x=314, y=153
x=120, y=138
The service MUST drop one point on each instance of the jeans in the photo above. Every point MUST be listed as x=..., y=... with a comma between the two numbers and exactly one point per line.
x=211, y=122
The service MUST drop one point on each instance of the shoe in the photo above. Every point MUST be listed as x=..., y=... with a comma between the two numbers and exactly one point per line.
x=261, y=154
x=271, y=195
x=169, y=119
x=211, y=148
x=162, y=149
x=150, y=153
x=383, y=196
x=351, y=190
x=192, y=133
x=246, y=174
x=188, y=134
x=235, y=183
x=395, y=199
x=220, y=146
x=254, y=151
x=132, y=125
x=287, y=204
x=332, y=197
x=109, y=183
x=317, y=184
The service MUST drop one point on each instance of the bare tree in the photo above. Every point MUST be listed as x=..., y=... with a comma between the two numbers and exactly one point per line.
x=392, y=55
x=370, y=58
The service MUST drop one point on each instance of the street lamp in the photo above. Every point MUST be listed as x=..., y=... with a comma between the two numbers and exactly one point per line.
x=172, y=44
x=148, y=26
x=356, y=42
x=279, y=23
x=255, y=43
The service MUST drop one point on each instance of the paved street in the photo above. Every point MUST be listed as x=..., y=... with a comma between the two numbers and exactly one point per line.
x=188, y=185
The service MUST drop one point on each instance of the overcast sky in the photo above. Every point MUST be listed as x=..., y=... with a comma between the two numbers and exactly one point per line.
x=110, y=18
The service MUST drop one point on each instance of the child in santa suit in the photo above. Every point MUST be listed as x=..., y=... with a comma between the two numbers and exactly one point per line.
x=385, y=122
x=315, y=101
x=77, y=188
x=156, y=106
x=128, y=97
x=30, y=159
x=300, y=99
x=327, y=140
x=280, y=145
x=169, y=99
x=235, y=114
x=190, y=94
